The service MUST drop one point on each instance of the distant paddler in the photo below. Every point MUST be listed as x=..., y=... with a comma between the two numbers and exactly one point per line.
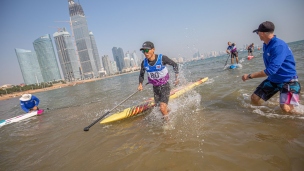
x=158, y=75
x=232, y=50
x=250, y=49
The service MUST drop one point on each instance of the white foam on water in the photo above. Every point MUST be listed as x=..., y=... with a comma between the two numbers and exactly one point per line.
x=209, y=81
x=242, y=60
x=270, y=108
x=182, y=107
x=179, y=107
x=239, y=65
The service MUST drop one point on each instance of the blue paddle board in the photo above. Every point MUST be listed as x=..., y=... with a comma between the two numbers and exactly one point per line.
x=233, y=66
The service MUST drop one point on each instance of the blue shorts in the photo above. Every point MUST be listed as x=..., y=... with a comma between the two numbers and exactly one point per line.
x=289, y=92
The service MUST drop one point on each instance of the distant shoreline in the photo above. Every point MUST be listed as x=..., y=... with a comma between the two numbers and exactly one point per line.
x=56, y=86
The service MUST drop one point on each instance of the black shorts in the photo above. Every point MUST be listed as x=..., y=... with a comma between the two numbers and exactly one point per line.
x=234, y=54
x=289, y=92
x=249, y=50
x=162, y=93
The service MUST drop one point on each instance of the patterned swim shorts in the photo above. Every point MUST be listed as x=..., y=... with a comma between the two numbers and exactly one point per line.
x=289, y=92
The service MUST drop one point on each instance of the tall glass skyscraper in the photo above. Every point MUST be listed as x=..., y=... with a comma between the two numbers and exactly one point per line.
x=95, y=53
x=67, y=55
x=83, y=41
x=107, y=64
x=47, y=58
x=114, y=67
x=29, y=66
x=135, y=58
x=118, y=56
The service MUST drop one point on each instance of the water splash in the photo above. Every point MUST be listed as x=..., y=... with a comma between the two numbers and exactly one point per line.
x=270, y=108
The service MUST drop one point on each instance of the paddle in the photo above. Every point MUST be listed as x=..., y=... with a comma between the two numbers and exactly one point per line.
x=88, y=127
x=226, y=60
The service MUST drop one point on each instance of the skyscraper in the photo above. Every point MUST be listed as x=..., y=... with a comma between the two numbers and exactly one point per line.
x=114, y=67
x=95, y=53
x=127, y=62
x=47, y=58
x=83, y=41
x=121, y=56
x=126, y=59
x=135, y=58
x=118, y=56
x=67, y=57
x=29, y=66
x=107, y=64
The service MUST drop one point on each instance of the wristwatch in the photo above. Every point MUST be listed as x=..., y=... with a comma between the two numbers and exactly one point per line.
x=249, y=76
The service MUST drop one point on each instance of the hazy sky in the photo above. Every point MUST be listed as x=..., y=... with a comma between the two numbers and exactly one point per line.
x=176, y=27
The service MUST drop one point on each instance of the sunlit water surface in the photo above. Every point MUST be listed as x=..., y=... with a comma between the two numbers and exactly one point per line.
x=213, y=127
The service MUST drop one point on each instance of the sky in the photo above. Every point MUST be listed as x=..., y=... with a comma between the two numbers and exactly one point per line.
x=178, y=28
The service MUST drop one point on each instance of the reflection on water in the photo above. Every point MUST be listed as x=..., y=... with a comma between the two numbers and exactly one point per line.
x=214, y=127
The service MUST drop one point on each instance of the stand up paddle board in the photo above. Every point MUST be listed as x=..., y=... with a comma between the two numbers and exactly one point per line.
x=135, y=110
x=250, y=57
x=233, y=66
x=20, y=117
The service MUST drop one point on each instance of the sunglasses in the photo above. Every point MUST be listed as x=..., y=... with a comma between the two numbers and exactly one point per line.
x=145, y=50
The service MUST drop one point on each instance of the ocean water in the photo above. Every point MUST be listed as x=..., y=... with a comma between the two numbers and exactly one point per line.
x=213, y=127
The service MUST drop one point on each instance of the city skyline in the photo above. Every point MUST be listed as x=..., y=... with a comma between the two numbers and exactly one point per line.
x=177, y=30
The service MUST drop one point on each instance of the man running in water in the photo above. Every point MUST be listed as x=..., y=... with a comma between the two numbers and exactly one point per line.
x=158, y=75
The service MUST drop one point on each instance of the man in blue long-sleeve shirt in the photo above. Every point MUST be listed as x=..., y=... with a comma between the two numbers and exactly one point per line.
x=29, y=103
x=280, y=70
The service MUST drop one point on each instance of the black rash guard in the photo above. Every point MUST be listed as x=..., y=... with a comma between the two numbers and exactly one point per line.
x=165, y=61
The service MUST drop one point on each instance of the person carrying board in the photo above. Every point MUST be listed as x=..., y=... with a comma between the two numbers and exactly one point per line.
x=158, y=75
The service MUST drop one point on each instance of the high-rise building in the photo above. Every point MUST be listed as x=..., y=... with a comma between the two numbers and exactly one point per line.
x=136, y=60
x=107, y=64
x=67, y=55
x=95, y=53
x=83, y=40
x=47, y=59
x=114, y=67
x=127, y=62
x=121, y=57
x=29, y=66
x=127, y=65
x=118, y=56
x=132, y=63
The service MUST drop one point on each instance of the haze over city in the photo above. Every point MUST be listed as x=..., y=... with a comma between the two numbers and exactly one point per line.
x=177, y=28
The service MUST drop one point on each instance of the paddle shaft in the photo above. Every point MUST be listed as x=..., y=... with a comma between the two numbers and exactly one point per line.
x=88, y=127
x=227, y=60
